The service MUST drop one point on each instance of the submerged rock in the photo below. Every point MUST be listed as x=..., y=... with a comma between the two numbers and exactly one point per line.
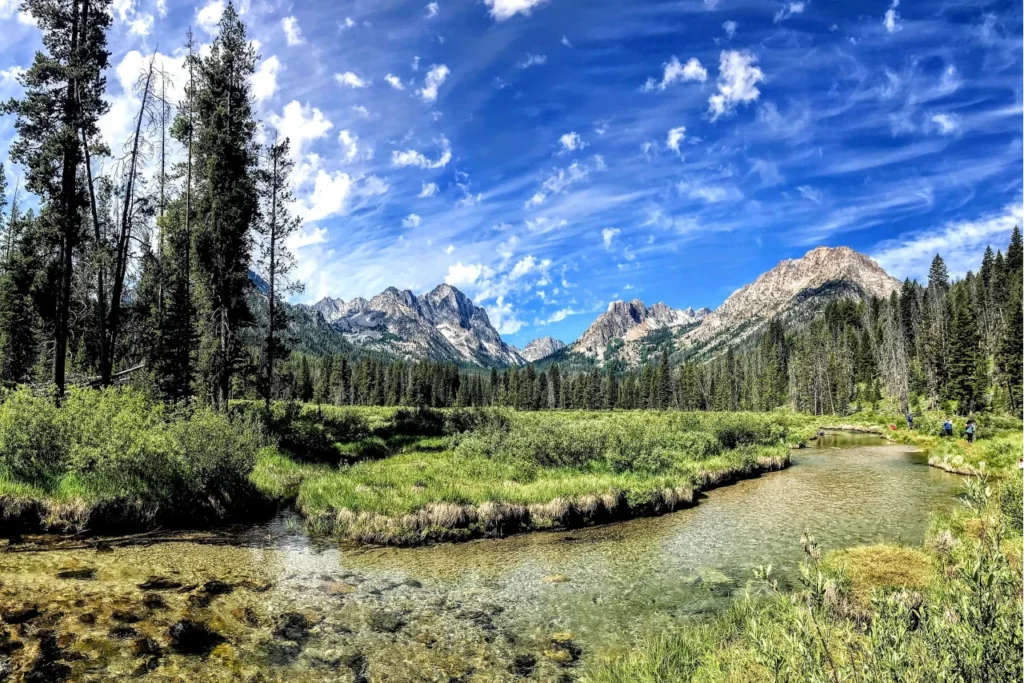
x=281, y=654
x=524, y=664
x=293, y=626
x=21, y=615
x=384, y=622
x=123, y=632
x=88, y=618
x=217, y=587
x=143, y=647
x=45, y=666
x=563, y=650
x=193, y=637
x=159, y=583
x=125, y=616
x=78, y=574
x=153, y=601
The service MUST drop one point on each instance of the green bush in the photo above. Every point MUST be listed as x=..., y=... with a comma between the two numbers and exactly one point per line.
x=120, y=445
x=1009, y=497
x=33, y=440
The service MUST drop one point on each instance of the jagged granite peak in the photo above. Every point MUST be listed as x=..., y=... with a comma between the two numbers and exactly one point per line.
x=443, y=324
x=821, y=274
x=631, y=321
x=539, y=349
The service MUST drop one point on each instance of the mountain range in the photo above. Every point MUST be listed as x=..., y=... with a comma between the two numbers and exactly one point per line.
x=445, y=325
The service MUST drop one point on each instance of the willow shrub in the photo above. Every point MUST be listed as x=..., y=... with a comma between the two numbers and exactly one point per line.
x=120, y=445
x=640, y=441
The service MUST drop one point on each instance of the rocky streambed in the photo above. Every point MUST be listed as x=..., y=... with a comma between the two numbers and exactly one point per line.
x=269, y=603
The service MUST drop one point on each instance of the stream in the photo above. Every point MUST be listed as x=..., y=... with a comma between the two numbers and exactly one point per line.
x=269, y=602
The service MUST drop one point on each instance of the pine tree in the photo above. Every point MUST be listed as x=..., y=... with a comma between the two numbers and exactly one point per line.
x=1008, y=358
x=226, y=202
x=62, y=103
x=276, y=262
x=966, y=360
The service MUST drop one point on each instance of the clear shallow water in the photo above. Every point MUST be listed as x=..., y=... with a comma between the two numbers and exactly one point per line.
x=461, y=610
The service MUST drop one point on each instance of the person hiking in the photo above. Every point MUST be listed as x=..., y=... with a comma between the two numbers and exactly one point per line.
x=969, y=430
x=947, y=428
x=910, y=420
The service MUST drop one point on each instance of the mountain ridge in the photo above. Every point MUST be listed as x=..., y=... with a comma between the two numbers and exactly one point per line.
x=445, y=324
x=442, y=324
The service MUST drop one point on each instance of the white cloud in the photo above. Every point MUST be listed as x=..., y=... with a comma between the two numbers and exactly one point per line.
x=738, y=76
x=330, y=193
x=307, y=238
x=208, y=16
x=350, y=79
x=349, y=22
x=532, y=60
x=768, y=170
x=565, y=41
x=349, y=144
x=301, y=124
x=122, y=7
x=161, y=7
x=673, y=71
x=427, y=190
x=563, y=179
x=264, y=81
x=810, y=194
x=434, y=79
x=141, y=25
x=675, y=136
x=506, y=9
x=891, y=20
x=502, y=315
x=394, y=81
x=607, y=235
x=432, y=9
x=946, y=124
x=712, y=194
x=571, y=142
x=411, y=221
x=411, y=157
x=730, y=28
x=449, y=249
x=360, y=111
x=463, y=276
x=789, y=10
x=292, y=32
x=961, y=244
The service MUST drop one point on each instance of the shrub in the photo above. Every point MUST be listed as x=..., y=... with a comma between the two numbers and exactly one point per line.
x=418, y=422
x=121, y=445
x=698, y=445
x=1009, y=497
x=33, y=442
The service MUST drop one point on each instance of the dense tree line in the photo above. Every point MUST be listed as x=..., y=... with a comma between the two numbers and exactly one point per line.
x=950, y=345
x=138, y=261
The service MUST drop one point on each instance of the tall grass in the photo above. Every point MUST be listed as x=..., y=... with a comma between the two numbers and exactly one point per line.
x=517, y=471
x=118, y=455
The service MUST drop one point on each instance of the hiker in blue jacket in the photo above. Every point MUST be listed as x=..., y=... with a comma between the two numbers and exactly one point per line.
x=969, y=431
x=947, y=428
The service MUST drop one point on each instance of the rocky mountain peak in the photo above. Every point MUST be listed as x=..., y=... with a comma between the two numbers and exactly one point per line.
x=629, y=321
x=443, y=324
x=541, y=348
x=803, y=283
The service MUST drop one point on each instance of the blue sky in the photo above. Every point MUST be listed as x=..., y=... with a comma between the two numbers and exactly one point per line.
x=548, y=156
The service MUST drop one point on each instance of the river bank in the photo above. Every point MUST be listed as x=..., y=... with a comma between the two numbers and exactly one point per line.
x=533, y=606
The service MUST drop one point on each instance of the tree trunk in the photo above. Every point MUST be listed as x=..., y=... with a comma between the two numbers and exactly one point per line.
x=123, y=252
x=69, y=223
